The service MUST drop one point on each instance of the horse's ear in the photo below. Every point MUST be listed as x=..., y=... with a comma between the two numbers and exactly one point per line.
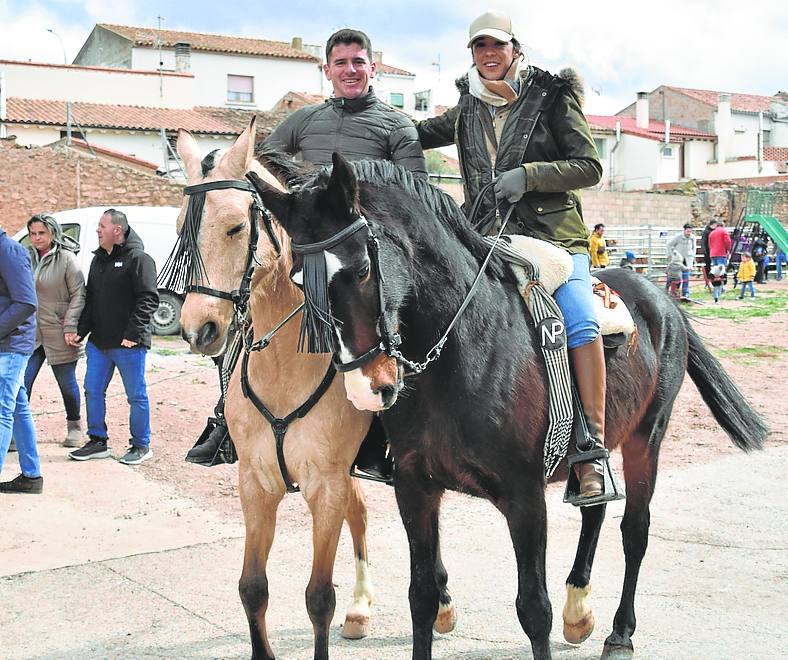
x=342, y=187
x=241, y=153
x=274, y=200
x=187, y=149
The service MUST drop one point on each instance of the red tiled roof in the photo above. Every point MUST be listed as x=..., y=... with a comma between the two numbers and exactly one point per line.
x=387, y=68
x=292, y=101
x=775, y=153
x=655, y=130
x=218, y=121
x=217, y=43
x=740, y=102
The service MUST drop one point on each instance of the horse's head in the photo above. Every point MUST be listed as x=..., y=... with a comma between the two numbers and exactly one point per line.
x=337, y=263
x=215, y=227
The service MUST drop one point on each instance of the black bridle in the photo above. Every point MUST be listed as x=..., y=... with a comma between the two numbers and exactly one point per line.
x=389, y=337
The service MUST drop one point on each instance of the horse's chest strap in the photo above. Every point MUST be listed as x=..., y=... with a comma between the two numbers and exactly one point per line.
x=279, y=425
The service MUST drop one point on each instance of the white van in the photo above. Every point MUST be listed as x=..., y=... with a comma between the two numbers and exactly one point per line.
x=155, y=225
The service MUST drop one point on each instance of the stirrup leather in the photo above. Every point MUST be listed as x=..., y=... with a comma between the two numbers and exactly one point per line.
x=611, y=491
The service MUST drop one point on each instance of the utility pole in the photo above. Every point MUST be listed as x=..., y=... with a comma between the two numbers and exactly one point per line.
x=68, y=103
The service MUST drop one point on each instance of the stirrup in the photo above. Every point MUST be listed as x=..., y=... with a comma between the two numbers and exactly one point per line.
x=611, y=491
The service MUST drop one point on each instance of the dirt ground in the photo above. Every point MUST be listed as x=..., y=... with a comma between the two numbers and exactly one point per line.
x=183, y=389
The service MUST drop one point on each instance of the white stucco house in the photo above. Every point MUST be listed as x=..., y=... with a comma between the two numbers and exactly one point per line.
x=697, y=134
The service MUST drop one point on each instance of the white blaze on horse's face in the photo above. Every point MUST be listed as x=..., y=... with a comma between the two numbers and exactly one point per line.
x=358, y=387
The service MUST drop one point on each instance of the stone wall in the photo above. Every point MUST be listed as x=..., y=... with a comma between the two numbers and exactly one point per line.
x=55, y=178
x=630, y=209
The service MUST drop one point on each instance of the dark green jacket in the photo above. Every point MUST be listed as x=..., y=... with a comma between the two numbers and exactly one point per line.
x=357, y=128
x=547, y=133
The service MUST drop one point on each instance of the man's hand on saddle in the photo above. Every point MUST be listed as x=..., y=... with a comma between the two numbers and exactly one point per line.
x=510, y=186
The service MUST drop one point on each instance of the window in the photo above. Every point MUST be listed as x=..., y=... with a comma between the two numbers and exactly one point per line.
x=240, y=89
x=397, y=100
x=667, y=152
x=422, y=101
x=601, y=147
x=767, y=138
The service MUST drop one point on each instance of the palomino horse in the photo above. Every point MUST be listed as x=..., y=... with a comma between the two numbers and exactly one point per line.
x=400, y=257
x=318, y=448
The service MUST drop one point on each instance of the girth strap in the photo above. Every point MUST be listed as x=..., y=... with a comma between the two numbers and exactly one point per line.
x=279, y=425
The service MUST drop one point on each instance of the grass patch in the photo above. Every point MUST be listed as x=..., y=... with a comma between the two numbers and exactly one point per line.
x=765, y=304
x=751, y=354
x=167, y=351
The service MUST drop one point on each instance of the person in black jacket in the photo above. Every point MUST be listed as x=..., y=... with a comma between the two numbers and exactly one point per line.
x=353, y=121
x=121, y=297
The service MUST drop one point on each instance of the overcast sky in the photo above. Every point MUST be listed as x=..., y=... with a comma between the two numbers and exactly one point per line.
x=620, y=47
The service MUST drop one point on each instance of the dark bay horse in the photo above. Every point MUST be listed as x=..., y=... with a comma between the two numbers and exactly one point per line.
x=320, y=446
x=399, y=258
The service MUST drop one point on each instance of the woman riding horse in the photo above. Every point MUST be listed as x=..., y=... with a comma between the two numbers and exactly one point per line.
x=524, y=127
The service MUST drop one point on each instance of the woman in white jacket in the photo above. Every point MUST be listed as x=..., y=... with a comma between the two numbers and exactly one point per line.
x=60, y=287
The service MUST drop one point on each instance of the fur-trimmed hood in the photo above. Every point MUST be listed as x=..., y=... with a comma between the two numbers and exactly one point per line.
x=567, y=74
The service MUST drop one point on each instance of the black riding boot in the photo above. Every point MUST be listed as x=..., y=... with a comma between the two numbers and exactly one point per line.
x=373, y=460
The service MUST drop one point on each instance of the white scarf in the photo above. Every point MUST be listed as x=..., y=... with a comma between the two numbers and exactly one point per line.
x=495, y=92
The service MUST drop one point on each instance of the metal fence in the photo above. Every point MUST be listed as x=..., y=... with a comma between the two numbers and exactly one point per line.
x=649, y=243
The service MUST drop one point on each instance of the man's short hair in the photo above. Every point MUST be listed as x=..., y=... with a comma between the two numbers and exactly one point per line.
x=118, y=218
x=598, y=225
x=687, y=225
x=348, y=36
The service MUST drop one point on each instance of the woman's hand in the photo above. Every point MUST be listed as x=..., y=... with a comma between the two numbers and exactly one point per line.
x=72, y=339
x=511, y=185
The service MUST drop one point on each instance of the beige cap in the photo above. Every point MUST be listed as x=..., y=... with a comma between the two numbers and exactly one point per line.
x=493, y=24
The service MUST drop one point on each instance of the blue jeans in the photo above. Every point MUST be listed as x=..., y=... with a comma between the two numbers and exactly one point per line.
x=744, y=285
x=719, y=261
x=65, y=375
x=100, y=368
x=779, y=259
x=15, y=417
x=575, y=299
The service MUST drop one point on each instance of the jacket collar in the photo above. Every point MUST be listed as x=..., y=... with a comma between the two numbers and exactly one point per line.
x=355, y=105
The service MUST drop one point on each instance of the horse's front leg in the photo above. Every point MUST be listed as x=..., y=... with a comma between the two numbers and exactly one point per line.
x=328, y=501
x=446, y=619
x=578, y=617
x=259, y=508
x=526, y=516
x=419, y=510
x=357, y=617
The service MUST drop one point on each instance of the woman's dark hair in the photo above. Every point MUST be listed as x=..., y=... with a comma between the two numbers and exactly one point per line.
x=348, y=36
x=598, y=225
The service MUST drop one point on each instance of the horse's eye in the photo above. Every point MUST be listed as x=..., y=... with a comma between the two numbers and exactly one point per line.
x=363, y=272
x=236, y=229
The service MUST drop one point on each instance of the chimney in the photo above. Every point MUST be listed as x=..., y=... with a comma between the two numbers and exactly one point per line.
x=377, y=56
x=722, y=127
x=297, y=43
x=641, y=110
x=183, y=53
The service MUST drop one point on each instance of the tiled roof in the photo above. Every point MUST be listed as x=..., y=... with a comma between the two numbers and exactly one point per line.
x=292, y=101
x=775, y=153
x=82, y=67
x=740, y=102
x=217, y=121
x=393, y=70
x=217, y=43
x=655, y=130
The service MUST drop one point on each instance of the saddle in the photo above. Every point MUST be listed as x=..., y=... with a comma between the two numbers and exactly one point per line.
x=555, y=266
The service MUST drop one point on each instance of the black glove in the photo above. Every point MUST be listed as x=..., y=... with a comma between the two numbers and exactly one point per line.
x=511, y=185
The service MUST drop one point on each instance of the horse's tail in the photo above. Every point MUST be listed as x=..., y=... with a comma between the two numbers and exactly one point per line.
x=746, y=428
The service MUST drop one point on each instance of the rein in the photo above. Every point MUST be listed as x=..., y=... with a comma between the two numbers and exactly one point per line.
x=389, y=338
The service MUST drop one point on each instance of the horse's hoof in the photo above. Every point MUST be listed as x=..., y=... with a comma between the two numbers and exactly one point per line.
x=355, y=627
x=446, y=619
x=617, y=652
x=579, y=632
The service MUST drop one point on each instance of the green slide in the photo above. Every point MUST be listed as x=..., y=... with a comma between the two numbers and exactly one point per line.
x=775, y=230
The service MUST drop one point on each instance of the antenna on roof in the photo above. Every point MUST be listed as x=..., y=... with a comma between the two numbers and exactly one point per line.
x=160, y=18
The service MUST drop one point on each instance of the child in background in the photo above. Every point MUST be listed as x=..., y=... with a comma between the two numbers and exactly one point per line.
x=675, y=271
x=628, y=260
x=717, y=281
x=746, y=274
